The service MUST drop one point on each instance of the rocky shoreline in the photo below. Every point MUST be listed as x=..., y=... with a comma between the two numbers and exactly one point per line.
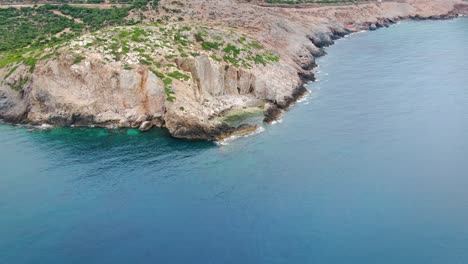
x=93, y=93
x=273, y=112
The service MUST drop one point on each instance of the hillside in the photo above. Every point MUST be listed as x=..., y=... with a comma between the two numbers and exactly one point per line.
x=200, y=68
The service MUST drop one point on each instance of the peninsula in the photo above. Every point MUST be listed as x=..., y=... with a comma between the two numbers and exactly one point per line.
x=194, y=67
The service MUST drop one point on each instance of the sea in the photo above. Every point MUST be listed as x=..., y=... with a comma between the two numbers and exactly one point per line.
x=370, y=167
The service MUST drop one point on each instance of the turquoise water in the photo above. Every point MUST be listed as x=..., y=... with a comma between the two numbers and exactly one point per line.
x=370, y=168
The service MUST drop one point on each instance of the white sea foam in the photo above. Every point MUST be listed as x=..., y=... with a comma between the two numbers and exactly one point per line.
x=277, y=121
x=226, y=141
x=304, y=98
x=361, y=31
x=45, y=126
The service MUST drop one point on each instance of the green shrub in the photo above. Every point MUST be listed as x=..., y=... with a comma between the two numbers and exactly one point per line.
x=157, y=73
x=206, y=45
x=178, y=75
x=78, y=59
x=232, y=49
x=168, y=89
x=199, y=36
x=11, y=71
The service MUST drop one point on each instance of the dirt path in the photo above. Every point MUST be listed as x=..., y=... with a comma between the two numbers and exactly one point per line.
x=77, y=20
x=100, y=6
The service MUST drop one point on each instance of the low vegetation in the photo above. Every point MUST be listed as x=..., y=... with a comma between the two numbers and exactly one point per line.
x=31, y=34
x=159, y=45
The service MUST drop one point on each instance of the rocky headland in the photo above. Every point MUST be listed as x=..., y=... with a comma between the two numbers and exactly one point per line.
x=198, y=75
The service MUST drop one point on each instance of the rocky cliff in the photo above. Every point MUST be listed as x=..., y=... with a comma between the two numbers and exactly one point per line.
x=227, y=58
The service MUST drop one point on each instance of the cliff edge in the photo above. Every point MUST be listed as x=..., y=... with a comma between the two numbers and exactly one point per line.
x=202, y=75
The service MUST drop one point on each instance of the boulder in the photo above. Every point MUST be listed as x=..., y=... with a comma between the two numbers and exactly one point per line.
x=145, y=126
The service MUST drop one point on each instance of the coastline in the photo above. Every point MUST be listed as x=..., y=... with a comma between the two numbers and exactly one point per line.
x=367, y=168
x=387, y=22
x=279, y=85
x=326, y=38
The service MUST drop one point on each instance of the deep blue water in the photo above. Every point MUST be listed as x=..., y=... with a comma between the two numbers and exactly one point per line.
x=372, y=167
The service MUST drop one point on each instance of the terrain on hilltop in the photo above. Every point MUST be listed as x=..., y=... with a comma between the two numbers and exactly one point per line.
x=203, y=69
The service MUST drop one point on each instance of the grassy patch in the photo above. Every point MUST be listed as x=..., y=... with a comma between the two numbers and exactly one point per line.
x=206, y=45
x=78, y=59
x=11, y=71
x=160, y=75
x=20, y=85
x=168, y=89
x=179, y=76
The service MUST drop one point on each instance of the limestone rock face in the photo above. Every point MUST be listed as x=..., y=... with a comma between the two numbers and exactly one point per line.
x=91, y=93
x=460, y=9
x=321, y=39
x=12, y=107
x=214, y=79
